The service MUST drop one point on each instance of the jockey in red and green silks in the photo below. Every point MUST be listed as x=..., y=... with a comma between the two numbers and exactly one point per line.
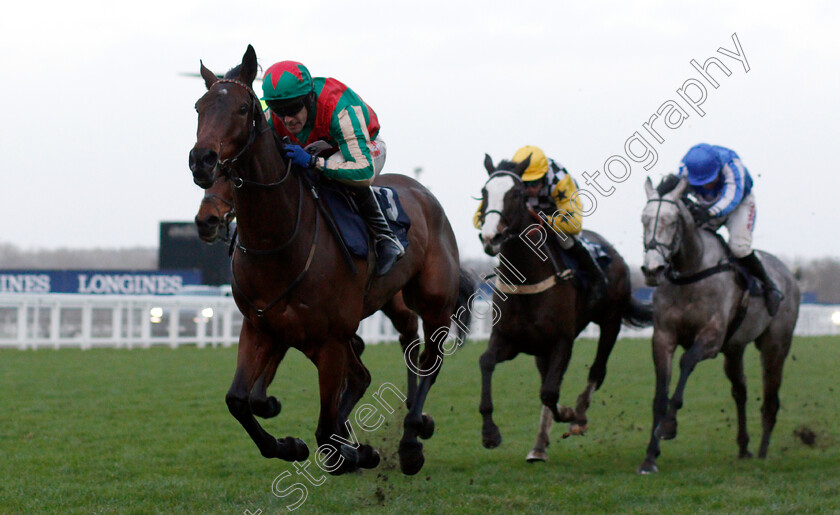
x=334, y=114
x=324, y=110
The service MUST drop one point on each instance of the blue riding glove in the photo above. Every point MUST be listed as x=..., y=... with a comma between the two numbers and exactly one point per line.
x=299, y=156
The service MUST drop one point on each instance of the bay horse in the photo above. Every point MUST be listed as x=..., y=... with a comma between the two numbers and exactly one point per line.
x=544, y=320
x=699, y=305
x=215, y=213
x=214, y=216
x=291, y=300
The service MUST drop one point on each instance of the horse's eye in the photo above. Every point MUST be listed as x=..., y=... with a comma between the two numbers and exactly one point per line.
x=196, y=108
x=243, y=109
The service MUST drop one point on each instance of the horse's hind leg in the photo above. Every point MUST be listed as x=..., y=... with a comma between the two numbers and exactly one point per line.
x=262, y=404
x=774, y=349
x=597, y=373
x=255, y=351
x=734, y=366
x=406, y=323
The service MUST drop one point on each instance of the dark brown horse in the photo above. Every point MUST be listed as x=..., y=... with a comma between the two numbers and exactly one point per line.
x=289, y=299
x=699, y=305
x=215, y=214
x=541, y=307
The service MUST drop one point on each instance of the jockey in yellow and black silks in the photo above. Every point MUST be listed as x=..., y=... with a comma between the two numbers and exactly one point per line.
x=551, y=190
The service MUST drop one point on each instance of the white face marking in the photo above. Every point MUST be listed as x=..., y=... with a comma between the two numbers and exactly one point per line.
x=223, y=91
x=496, y=189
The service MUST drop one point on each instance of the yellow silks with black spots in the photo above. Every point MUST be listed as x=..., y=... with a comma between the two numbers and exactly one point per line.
x=567, y=218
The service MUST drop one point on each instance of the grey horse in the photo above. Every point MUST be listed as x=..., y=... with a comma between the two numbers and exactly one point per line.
x=700, y=306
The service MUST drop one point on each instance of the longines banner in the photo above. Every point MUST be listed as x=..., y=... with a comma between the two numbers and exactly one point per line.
x=102, y=282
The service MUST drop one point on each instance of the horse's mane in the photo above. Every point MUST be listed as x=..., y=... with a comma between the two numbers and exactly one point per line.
x=506, y=165
x=667, y=184
x=233, y=72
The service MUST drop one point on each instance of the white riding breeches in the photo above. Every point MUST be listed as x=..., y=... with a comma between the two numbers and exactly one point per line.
x=740, y=224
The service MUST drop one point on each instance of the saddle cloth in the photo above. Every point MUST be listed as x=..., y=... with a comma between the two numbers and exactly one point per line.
x=350, y=224
x=596, y=250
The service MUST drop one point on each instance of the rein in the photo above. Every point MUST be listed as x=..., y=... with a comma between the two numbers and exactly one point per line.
x=226, y=167
x=725, y=265
x=526, y=289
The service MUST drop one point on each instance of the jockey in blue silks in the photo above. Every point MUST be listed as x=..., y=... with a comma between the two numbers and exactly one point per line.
x=723, y=188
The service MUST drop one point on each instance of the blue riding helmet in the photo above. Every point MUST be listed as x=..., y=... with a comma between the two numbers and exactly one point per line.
x=702, y=163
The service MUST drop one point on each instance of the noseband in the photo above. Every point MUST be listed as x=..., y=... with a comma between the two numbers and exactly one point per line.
x=506, y=234
x=658, y=246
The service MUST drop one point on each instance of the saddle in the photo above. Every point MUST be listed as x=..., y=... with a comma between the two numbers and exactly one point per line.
x=352, y=230
x=568, y=265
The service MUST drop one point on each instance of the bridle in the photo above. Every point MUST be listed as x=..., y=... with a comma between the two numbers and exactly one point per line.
x=227, y=168
x=506, y=234
x=227, y=217
x=653, y=244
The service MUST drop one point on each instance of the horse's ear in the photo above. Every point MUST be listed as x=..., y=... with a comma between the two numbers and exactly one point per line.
x=521, y=167
x=208, y=76
x=680, y=189
x=488, y=164
x=248, y=72
x=650, y=191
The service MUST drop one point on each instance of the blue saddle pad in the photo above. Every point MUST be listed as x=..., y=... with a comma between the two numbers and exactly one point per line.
x=351, y=225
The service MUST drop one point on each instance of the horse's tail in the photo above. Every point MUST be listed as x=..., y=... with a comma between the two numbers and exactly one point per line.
x=467, y=286
x=638, y=313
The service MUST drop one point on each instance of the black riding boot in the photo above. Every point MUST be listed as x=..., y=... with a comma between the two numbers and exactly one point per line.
x=388, y=247
x=597, y=279
x=772, y=295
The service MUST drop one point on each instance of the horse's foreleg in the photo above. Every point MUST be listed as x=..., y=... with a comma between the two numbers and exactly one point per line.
x=733, y=365
x=774, y=350
x=255, y=351
x=663, y=353
x=497, y=351
x=339, y=370
x=262, y=404
x=704, y=346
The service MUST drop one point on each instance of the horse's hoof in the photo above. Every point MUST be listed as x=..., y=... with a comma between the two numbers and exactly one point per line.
x=427, y=427
x=576, y=430
x=411, y=457
x=491, y=438
x=745, y=455
x=646, y=468
x=666, y=430
x=292, y=449
x=368, y=457
x=268, y=409
x=535, y=456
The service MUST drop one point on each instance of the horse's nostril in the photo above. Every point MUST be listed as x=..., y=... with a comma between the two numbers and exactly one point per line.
x=210, y=159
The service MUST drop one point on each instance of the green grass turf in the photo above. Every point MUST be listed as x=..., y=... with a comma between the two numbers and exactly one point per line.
x=113, y=431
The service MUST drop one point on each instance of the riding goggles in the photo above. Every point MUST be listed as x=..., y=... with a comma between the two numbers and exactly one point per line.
x=283, y=108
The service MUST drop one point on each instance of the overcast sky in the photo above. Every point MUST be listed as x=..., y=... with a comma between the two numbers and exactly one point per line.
x=97, y=122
